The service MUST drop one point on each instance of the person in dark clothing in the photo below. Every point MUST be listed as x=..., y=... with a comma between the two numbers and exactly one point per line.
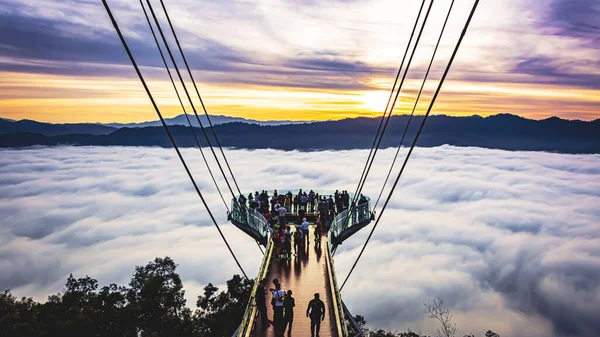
x=316, y=312
x=261, y=303
x=288, y=312
x=295, y=203
x=297, y=241
x=287, y=243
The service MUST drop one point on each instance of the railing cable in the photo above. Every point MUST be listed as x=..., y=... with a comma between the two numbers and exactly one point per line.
x=397, y=94
x=182, y=106
x=199, y=97
x=388, y=102
x=186, y=115
x=137, y=70
x=437, y=91
x=156, y=22
x=415, y=105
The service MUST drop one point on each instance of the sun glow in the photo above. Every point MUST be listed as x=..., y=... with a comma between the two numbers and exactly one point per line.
x=374, y=100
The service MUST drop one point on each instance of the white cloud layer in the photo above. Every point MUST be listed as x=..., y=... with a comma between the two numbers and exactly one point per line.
x=510, y=240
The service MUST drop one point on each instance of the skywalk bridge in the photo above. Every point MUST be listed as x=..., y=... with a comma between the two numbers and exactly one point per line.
x=311, y=271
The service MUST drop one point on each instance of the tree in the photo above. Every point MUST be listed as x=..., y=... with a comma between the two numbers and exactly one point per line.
x=410, y=334
x=115, y=316
x=362, y=324
x=382, y=333
x=439, y=312
x=215, y=308
x=157, y=296
x=153, y=304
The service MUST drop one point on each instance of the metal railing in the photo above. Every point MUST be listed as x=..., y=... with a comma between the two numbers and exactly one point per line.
x=249, y=319
x=342, y=224
x=295, y=191
x=338, y=306
x=256, y=224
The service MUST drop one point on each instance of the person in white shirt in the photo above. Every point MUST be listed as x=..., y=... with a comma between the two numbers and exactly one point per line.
x=304, y=227
x=281, y=212
x=277, y=302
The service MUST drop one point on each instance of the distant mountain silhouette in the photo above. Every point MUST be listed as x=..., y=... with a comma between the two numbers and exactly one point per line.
x=215, y=119
x=48, y=129
x=502, y=131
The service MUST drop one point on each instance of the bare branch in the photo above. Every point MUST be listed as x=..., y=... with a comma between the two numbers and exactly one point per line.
x=439, y=312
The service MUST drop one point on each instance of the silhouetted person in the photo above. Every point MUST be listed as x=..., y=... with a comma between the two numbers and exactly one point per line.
x=297, y=240
x=288, y=312
x=316, y=312
x=261, y=302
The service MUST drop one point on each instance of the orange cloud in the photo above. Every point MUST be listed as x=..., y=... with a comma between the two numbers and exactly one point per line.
x=62, y=98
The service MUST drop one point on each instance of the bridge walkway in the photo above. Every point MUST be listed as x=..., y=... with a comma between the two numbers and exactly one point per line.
x=305, y=275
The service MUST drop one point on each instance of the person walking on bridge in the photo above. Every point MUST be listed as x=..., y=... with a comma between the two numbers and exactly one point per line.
x=261, y=303
x=316, y=312
x=277, y=302
x=288, y=313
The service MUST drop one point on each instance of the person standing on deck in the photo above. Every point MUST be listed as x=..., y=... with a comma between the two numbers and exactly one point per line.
x=288, y=243
x=261, y=303
x=295, y=203
x=346, y=200
x=281, y=213
x=288, y=312
x=297, y=240
x=288, y=202
x=273, y=202
x=304, y=227
x=316, y=312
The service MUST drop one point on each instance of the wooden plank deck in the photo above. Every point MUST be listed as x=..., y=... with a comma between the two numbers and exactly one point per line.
x=305, y=275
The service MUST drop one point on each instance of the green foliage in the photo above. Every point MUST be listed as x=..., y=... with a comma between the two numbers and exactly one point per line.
x=215, y=309
x=152, y=305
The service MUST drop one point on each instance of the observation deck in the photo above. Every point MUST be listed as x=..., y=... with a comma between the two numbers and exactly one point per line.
x=311, y=270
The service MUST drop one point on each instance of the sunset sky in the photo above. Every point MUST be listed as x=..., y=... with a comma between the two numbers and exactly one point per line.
x=61, y=61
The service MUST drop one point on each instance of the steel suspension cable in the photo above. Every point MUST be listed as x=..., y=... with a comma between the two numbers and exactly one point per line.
x=182, y=106
x=199, y=97
x=189, y=97
x=437, y=91
x=137, y=70
x=415, y=105
x=186, y=115
x=354, y=198
x=396, y=98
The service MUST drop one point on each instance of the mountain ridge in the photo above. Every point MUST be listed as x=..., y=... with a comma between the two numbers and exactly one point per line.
x=503, y=131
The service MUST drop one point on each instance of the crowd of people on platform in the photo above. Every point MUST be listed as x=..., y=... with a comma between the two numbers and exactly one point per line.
x=284, y=238
x=299, y=204
x=302, y=202
x=280, y=209
x=287, y=215
x=283, y=309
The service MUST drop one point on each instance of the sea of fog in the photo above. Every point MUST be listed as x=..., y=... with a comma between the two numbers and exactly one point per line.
x=509, y=240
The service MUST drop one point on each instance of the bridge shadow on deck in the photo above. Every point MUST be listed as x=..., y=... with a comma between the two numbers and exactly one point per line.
x=305, y=275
